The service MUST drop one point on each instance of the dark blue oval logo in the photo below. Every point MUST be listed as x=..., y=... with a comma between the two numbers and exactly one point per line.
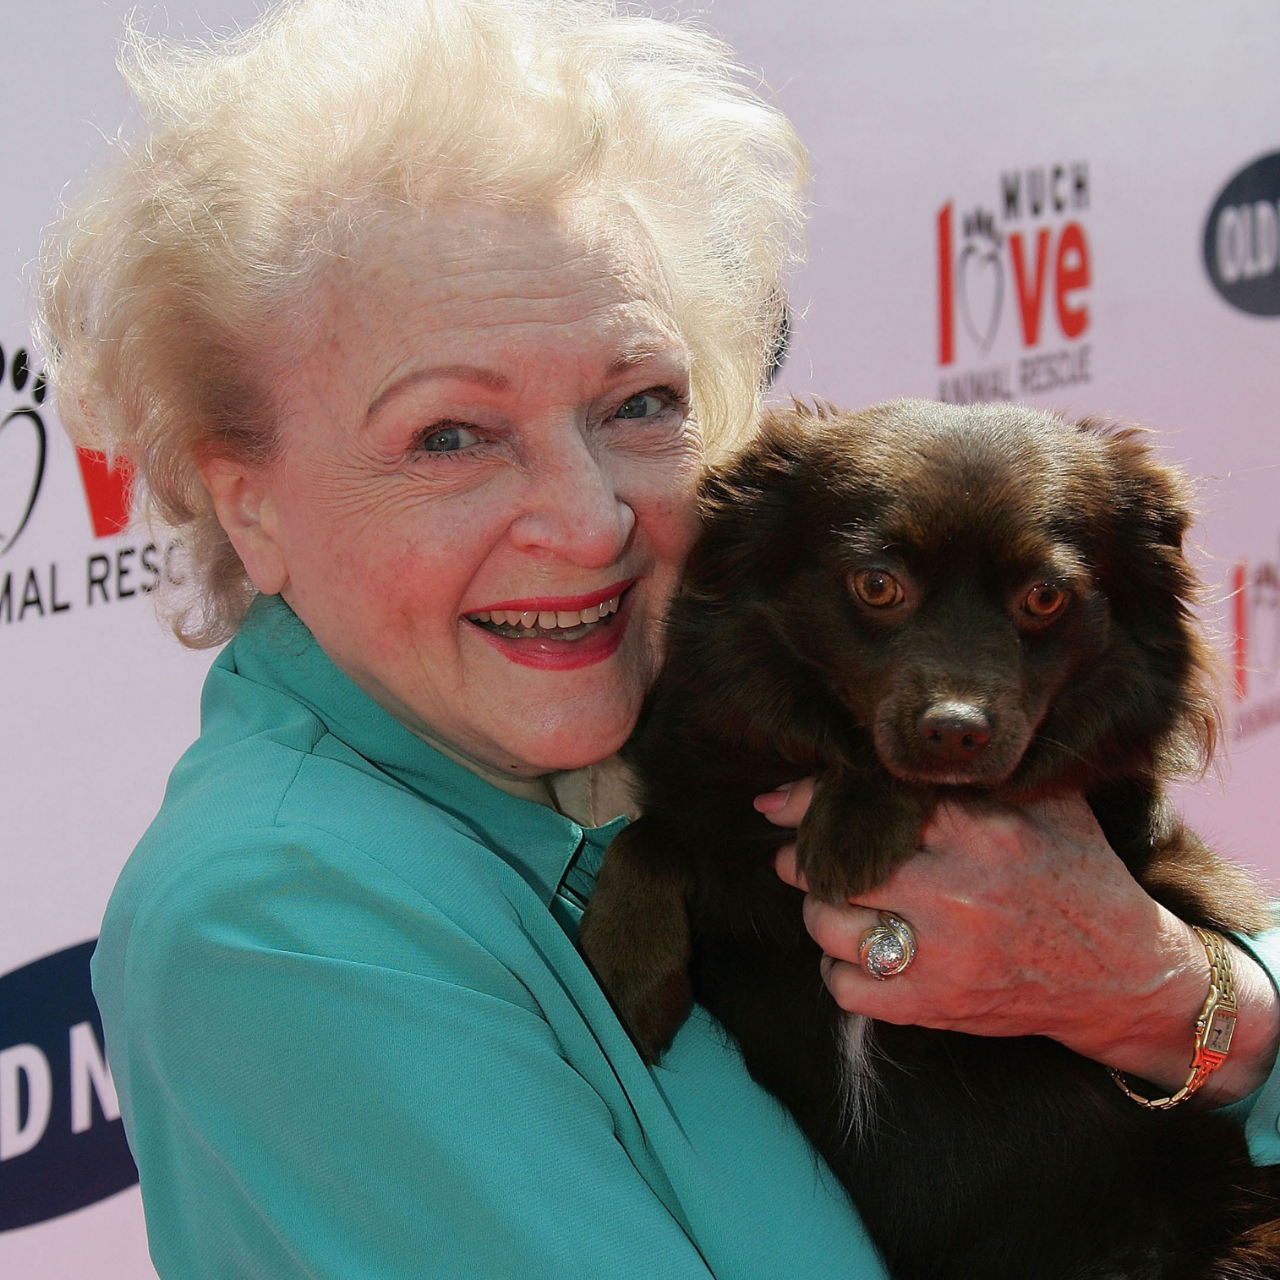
x=1242, y=238
x=62, y=1144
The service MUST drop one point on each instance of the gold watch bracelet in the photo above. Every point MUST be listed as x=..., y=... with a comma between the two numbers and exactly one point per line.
x=1214, y=1027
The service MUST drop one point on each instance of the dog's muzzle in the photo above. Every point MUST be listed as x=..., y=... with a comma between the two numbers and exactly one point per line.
x=953, y=733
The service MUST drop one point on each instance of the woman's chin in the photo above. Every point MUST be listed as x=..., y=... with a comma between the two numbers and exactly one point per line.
x=572, y=748
x=561, y=707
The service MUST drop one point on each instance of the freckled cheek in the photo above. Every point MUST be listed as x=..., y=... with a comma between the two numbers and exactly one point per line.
x=671, y=527
x=423, y=572
x=669, y=514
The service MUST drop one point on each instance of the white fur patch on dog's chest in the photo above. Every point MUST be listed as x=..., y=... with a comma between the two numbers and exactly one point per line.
x=858, y=1083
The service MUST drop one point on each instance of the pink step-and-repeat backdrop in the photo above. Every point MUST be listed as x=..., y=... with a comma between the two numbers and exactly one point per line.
x=1074, y=205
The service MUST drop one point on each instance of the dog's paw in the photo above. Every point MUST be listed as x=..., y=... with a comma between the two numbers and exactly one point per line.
x=650, y=993
x=654, y=1016
x=635, y=936
x=850, y=840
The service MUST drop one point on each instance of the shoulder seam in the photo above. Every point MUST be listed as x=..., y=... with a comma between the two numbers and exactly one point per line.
x=288, y=786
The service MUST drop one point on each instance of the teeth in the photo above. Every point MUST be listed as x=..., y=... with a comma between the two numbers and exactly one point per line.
x=547, y=619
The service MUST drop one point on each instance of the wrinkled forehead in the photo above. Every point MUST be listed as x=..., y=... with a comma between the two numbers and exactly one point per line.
x=465, y=268
x=515, y=291
x=474, y=261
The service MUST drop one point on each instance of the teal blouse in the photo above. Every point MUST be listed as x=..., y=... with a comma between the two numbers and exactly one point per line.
x=352, y=1036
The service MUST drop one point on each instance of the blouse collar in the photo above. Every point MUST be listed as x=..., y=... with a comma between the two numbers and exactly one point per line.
x=273, y=647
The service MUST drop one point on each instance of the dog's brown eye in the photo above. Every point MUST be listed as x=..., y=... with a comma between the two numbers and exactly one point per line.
x=878, y=589
x=1044, y=601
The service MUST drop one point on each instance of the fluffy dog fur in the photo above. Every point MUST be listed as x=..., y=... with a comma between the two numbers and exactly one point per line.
x=903, y=601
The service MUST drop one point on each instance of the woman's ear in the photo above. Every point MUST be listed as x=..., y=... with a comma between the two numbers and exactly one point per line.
x=242, y=496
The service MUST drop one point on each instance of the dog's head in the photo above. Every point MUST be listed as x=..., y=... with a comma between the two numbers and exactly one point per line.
x=994, y=594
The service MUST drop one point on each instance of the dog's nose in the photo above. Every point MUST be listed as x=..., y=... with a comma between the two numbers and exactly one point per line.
x=954, y=731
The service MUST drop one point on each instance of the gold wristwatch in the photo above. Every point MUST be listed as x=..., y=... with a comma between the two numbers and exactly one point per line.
x=1214, y=1027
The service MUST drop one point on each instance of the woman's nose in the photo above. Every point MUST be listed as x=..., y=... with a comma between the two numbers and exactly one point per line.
x=573, y=510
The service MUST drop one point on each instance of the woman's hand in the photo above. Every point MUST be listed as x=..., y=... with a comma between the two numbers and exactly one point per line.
x=1027, y=923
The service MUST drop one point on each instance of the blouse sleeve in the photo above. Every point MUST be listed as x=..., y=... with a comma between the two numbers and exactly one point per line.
x=1260, y=1112
x=326, y=1085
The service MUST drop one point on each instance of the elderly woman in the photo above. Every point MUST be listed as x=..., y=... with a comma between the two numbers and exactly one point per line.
x=419, y=321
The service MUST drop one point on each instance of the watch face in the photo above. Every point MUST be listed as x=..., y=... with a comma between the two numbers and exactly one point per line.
x=1221, y=1025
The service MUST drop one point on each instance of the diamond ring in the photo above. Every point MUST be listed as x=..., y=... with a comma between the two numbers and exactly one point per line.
x=888, y=948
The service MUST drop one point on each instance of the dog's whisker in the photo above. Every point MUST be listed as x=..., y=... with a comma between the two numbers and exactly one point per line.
x=1073, y=752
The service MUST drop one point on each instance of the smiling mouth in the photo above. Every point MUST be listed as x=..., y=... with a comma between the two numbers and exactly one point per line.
x=549, y=624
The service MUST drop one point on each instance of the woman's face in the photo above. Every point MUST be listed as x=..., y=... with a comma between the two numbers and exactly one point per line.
x=487, y=480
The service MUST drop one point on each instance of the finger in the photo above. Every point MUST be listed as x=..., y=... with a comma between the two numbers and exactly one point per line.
x=856, y=992
x=786, y=806
x=784, y=863
x=838, y=930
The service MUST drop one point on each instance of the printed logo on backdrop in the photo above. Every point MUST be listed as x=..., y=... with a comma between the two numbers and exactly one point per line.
x=62, y=1144
x=1014, y=275
x=35, y=587
x=1242, y=238
x=24, y=443
x=1255, y=626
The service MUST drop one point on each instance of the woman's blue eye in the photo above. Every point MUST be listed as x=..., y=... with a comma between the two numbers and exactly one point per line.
x=448, y=439
x=644, y=405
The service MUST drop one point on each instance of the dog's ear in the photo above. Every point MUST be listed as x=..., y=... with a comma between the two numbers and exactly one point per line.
x=1154, y=498
x=1152, y=585
x=752, y=508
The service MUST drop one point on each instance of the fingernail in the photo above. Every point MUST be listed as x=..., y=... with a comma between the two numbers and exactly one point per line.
x=770, y=801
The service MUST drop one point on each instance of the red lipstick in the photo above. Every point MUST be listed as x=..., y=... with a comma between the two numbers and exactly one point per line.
x=547, y=653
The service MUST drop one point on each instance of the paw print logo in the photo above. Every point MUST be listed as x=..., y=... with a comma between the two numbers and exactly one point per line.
x=980, y=278
x=23, y=446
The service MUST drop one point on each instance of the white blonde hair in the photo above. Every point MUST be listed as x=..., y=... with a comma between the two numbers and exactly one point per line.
x=267, y=151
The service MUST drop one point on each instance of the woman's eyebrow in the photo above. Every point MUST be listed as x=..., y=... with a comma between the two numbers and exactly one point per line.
x=459, y=372
x=647, y=354
x=630, y=359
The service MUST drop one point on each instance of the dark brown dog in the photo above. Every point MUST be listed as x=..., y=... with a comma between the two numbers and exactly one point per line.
x=903, y=601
